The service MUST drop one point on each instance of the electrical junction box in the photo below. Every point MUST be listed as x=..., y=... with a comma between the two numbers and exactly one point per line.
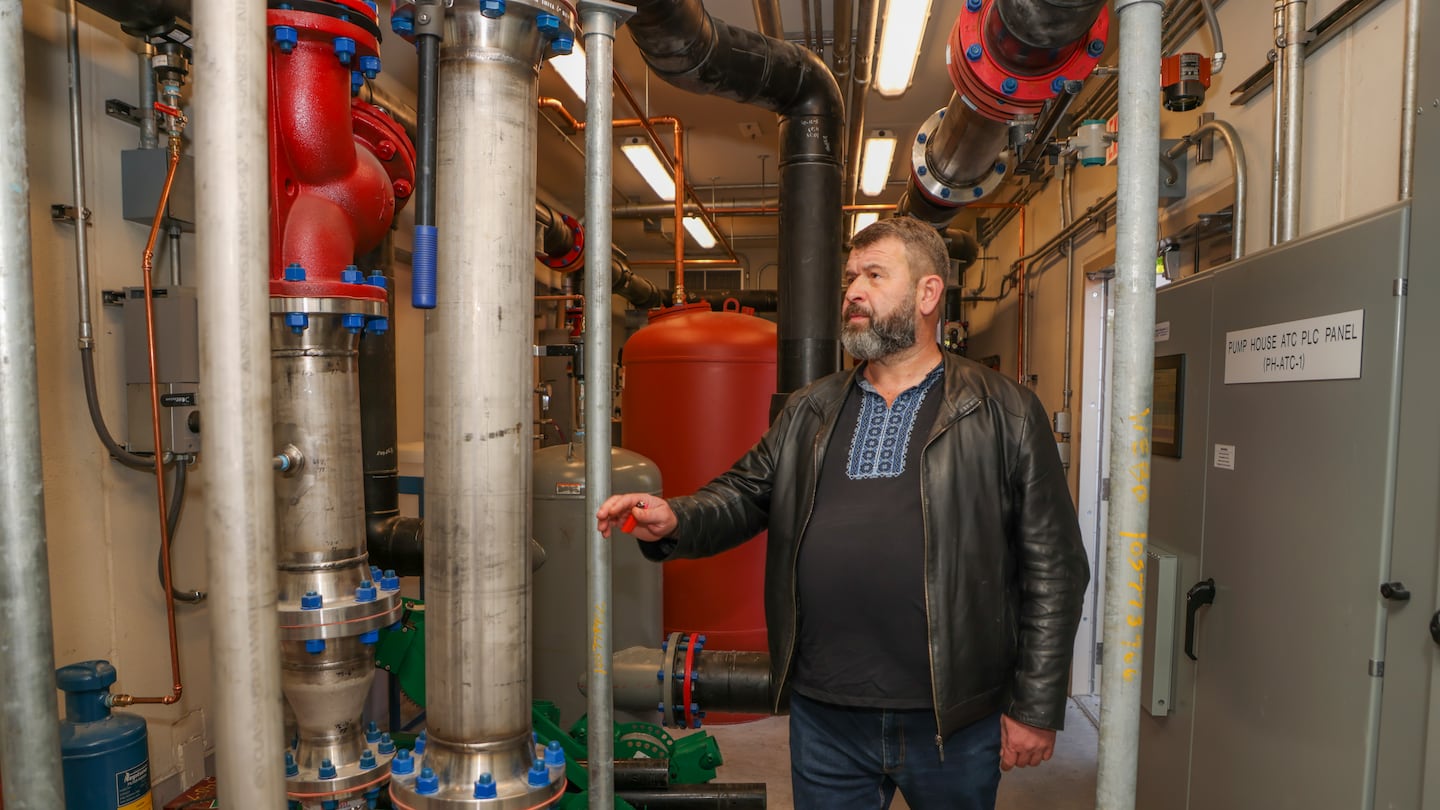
x=142, y=178
x=177, y=368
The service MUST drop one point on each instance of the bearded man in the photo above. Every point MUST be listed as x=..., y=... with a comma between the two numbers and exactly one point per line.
x=925, y=572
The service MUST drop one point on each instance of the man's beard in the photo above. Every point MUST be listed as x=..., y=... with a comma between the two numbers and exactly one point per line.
x=878, y=337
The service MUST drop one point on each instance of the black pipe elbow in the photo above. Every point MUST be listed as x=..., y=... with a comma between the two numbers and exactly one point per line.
x=1048, y=23
x=396, y=542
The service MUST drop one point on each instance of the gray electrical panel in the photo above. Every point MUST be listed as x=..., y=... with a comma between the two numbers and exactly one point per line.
x=177, y=364
x=1311, y=404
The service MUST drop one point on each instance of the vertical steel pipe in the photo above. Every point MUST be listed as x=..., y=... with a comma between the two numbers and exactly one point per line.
x=1137, y=227
x=1292, y=116
x=77, y=171
x=599, y=19
x=859, y=91
x=232, y=182
x=1409, y=99
x=30, y=750
x=479, y=374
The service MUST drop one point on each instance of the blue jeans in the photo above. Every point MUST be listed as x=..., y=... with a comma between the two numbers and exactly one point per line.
x=845, y=758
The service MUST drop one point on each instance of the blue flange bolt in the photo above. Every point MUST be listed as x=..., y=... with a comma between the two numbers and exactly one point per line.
x=1096, y=47
x=1009, y=86
x=403, y=764
x=370, y=66
x=562, y=45
x=286, y=38
x=427, y=783
x=485, y=787
x=973, y=6
x=539, y=775
x=297, y=321
x=492, y=8
x=294, y=272
x=344, y=50
x=974, y=52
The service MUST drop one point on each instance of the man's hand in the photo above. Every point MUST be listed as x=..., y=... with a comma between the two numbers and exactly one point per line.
x=653, y=518
x=1022, y=746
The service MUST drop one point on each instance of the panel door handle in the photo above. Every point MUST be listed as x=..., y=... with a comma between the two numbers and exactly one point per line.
x=1201, y=593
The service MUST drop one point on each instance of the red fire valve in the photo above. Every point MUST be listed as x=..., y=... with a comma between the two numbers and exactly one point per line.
x=339, y=170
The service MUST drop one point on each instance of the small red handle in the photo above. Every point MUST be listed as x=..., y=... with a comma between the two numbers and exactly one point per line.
x=629, y=524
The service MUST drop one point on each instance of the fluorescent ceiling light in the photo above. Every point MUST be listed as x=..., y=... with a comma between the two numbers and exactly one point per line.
x=700, y=232
x=571, y=67
x=900, y=44
x=875, y=162
x=645, y=161
x=863, y=220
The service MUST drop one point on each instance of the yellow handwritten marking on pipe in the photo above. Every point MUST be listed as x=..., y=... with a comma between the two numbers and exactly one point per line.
x=1134, y=536
x=599, y=665
x=1128, y=675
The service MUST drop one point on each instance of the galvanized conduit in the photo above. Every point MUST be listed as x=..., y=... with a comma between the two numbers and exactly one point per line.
x=689, y=49
x=30, y=750
x=232, y=200
x=599, y=20
x=1137, y=227
x=1238, y=166
x=859, y=92
x=1289, y=118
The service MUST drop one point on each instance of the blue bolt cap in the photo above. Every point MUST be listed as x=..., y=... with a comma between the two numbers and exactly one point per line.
x=297, y=321
x=420, y=743
x=314, y=646
x=395, y=628
x=1009, y=85
x=973, y=6
x=353, y=321
x=660, y=675
x=945, y=193
x=390, y=581
x=485, y=787
x=370, y=66
x=404, y=26
x=372, y=732
x=352, y=275
x=292, y=768
x=1096, y=47
x=492, y=8
x=427, y=784
x=367, y=759
x=539, y=775
x=286, y=38
x=977, y=192
x=374, y=572
x=554, y=754
x=387, y=746
x=921, y=138
x=327, y=769
x=547, y=24
x=312, y=600
x=378, y=280
x=344, y=49
x=356, y=82
x=366, y=592
x=974, y=52
x=999, y=168
x=1058, y=85
x=920, y=170
x=370, y=637
x=378, y=326
x=330, y=804
x=562, y=45
x=294, y=272
x=403, y=763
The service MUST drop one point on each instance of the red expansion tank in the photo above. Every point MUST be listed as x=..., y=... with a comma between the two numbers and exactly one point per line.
x=698, y=385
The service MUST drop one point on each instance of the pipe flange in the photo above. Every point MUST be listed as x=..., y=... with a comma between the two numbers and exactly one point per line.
x=941, y=192
x=569, y=261
x=451, y=775
x=280, y=305
x=340, y=618
x=552, y=20
x=1001, y=93
x=349, y=780
x=350, y=27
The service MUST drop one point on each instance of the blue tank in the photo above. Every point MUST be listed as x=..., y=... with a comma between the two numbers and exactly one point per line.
x=105, y=757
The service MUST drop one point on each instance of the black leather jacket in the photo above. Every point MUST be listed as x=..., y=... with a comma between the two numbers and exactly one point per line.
x=1005, y=568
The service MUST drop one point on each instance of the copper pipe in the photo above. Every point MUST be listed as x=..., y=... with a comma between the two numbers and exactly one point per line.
x=689, y=190
x=697, y=262
x=547, y=103
x=147, y=265
x=559, y=298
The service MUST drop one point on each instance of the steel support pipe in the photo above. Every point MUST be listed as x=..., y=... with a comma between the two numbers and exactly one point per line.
x=30, y=750
x=478, y=380
x=1137, y=225
x=689, y=49
x=233, y=238
x=1290, y=111
x=599, y=20
x=741, y=796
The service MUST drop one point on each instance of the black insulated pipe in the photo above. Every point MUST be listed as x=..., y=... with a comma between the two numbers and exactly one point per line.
x=688, y=48
x=733, y=681
x=393, y=541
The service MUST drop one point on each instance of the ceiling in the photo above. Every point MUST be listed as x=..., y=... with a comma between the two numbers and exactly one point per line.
x=731, y=149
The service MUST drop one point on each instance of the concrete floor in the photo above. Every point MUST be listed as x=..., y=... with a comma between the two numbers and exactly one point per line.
x=760, y=752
